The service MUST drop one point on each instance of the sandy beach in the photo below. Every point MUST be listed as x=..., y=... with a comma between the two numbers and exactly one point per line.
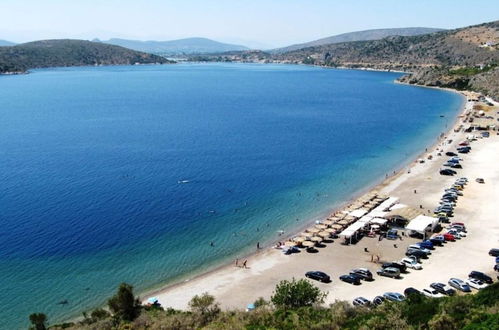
x=419, y=186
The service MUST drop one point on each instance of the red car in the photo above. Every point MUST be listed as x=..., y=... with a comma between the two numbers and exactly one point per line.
x=449, y=237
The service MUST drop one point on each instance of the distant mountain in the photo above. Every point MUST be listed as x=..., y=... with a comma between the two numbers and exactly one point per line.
x=359, y=36
x=177, y=47
x=67, y=52
x=6, y=43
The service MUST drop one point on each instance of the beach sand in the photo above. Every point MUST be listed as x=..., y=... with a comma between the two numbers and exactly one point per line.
x=235, y=287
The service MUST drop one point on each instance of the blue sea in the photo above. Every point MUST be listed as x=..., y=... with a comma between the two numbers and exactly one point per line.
x=130, y=173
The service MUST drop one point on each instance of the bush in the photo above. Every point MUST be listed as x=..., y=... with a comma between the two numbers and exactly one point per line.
x=123, y=304
x=295, y=294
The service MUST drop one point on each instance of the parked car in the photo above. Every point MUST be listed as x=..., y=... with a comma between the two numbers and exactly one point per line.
x=395, y=264
x=494, y=252
x=411, y=263
x=447, y=171
x=389, y=272
x=363, y=273
x=427, y=244
x=318, y=276
x=437, y=239
x=480, y=276
x=350, y=279
x=361, y=301
x=449, y=237
x=480, y=180
x=432, y=293
x=420, y=248
x=459, y=285
x=393, y=296
x=416, y=253
x=476, y=284
x=450, y=153
x=459, y=226
x=443, y=288
x=392, y=234
x=411, y=290
x=378, y=300
x=457, y=234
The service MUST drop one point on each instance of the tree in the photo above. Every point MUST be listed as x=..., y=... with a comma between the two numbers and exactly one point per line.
x=38, y=320
x=123, y=304
x=205, y=307
x=294, y=294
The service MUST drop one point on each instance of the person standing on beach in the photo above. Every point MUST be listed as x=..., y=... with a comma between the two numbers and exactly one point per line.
x=258, y=245
x=244, y=264
x=237, y=262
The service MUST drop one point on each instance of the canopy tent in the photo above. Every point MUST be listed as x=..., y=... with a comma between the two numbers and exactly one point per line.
x=387, y=204
x=358, y=213
x=379, y=221
x=377, y=213
x=365, y=219
x=422, y=224
x=398, y=206
x=352, y=229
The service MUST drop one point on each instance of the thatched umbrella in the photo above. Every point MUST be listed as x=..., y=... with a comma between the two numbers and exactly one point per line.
x=328, y=222
x=343, y=222
x=330, y=230
x=308, y=244
x=324, y=234
x=300, y=239
x=313, y=230
x=307, y=235
x=316, y=239
x=321, y=226
x=337, y=226
x=290, y=244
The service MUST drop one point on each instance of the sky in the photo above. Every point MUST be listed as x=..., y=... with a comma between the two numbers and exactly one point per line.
x=255, y=23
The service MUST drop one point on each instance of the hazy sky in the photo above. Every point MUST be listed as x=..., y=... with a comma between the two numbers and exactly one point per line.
x=255, y=22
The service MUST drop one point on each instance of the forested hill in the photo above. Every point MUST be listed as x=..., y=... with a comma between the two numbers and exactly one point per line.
x=67, y=52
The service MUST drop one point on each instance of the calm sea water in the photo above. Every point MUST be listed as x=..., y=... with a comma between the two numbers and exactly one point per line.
x=91, y=158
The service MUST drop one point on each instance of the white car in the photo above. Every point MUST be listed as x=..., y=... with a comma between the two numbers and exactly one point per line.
x=456, y=233
x=417, y=247
x=476, y=284
x=432, y=293
x=411, y=263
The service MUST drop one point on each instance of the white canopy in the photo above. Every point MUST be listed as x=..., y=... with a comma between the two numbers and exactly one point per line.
x=352, y=229
x=422, y=223
x=365, y=219
x=377, y=214
x=387, y=204
x=358, y=213
x=379, y=221
x=398, y=206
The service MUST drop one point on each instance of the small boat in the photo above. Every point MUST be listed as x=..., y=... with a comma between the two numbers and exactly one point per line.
x=182, y=181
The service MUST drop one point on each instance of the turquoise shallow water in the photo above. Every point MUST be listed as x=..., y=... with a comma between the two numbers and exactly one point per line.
x=90, y=160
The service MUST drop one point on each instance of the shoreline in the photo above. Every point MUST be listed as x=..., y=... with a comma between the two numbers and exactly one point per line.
x=377, y=185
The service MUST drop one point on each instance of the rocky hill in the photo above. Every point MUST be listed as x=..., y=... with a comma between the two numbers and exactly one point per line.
x=375, y=34
x=57, y=53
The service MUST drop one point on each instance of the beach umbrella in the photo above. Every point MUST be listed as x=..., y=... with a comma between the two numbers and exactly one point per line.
x=299, y=239
x=321, y=226
x=250, y=307
x=152, y=300
x=316, y=239
x=324, y=234
x=290, y=244
x=336, y=226
x=343, y=222
x=330, y=230
x=308, y=244
x=313, y=230
x=328, y=222
x=349, y=218
x=307, y=234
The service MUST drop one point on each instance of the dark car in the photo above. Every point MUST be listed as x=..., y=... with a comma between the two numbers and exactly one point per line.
x=427, y=244
x=350, y=279
x=450, y=154
x=436, y=241
x=447, y=171
x=378, y=300
x=494, y=252
x=410, y=291
x=318, y=276
x=363, y=273
x=443, y=288
x=400, y=266
x=480, y=276
x=417, y=253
